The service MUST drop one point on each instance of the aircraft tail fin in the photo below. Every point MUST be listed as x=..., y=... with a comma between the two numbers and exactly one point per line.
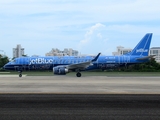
x=142, y=48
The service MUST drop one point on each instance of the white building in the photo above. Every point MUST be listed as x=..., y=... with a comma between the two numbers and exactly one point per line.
x=155, y=51
x=121, y=51
x=18, y=51
x=65, y=52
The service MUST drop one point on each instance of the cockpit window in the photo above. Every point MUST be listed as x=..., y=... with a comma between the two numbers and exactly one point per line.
x=13, y=60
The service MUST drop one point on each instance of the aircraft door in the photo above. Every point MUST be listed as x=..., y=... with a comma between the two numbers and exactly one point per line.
x=24, y=65
x=53, y=61
x=126, y=59
x=29, y=64
x=119, y=59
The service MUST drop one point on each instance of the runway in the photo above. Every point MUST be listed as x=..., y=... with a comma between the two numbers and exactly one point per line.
x=83, y=85
x=68, y=97
x=79, y=107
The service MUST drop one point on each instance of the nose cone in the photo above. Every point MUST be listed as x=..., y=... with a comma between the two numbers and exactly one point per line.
x=4, y=67
x=8, y=66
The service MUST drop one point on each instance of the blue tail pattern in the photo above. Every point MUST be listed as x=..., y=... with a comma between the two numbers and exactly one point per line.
x=142, y=48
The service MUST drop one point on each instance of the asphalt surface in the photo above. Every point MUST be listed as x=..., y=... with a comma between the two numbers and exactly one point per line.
x=94, y=97
x=83, y=85
x=79, y=107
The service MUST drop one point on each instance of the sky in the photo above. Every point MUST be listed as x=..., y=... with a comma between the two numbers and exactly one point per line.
x=89, y=26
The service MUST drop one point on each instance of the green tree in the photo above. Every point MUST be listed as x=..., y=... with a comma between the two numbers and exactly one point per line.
x=3, y=60
x=150, y=66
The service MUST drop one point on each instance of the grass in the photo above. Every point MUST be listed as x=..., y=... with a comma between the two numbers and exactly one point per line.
x=86, y=73
x=119, y=74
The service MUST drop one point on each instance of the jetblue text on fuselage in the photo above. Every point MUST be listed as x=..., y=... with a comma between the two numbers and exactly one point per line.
x=40, y=61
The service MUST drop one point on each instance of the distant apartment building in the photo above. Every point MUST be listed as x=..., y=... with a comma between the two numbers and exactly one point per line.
x=121, y=51
x=65, y=52
x=18, y=51
x=155, y=51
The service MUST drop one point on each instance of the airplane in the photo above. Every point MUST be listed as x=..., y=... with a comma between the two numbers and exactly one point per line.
x=65, y=64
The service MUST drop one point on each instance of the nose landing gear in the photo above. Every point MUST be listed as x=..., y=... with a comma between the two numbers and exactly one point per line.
x=20, y=73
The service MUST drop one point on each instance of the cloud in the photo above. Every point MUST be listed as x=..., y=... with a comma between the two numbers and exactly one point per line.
x=80, y=12
x=90, y=33
x=99, y=35
x=129, y=28
x=92, y=38
x=66, y=21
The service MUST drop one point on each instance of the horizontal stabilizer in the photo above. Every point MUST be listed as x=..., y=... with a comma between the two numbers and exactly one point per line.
x=147, y=57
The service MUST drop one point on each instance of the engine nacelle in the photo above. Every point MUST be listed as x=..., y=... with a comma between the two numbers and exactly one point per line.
x=60, y=70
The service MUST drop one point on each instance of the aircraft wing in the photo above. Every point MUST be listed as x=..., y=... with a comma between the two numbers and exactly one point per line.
x=83, y=65
x=143, y=58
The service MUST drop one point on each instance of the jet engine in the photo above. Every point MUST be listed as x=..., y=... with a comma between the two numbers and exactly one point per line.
x=60, y=70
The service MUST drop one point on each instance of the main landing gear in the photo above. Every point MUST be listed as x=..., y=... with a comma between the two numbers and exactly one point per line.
x=78, y=74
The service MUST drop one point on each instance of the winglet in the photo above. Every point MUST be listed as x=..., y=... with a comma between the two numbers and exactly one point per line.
x=95, y=59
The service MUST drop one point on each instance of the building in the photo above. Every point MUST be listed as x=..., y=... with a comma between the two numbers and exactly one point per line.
x=121, y=51
x=18, y=51
x=65, y=52
x=155, y=51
